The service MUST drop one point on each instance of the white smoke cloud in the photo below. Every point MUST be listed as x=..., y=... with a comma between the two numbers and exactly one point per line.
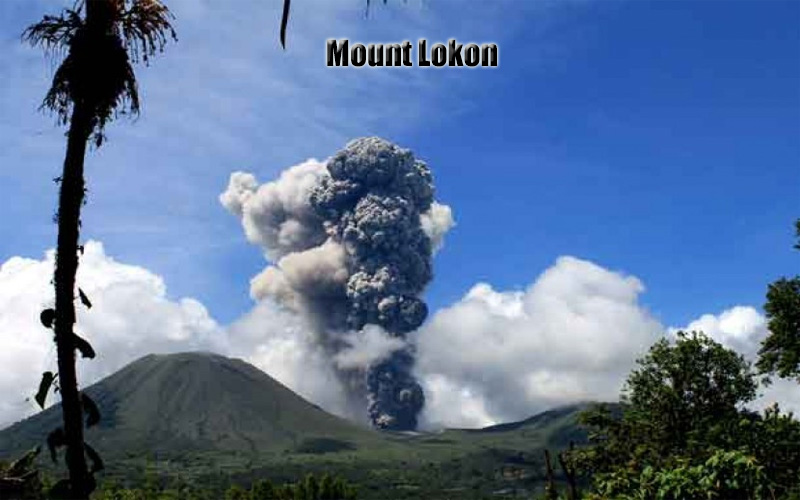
x=317, y=272
x=281, y=344
x=367, y=346
x=436, y=223
x=277, y=216
x=451, y=403
x=241, y=187
x=571, y=336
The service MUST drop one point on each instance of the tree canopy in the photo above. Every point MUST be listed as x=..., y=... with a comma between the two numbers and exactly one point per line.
x=681, y=430
x=780, y=351
x=680, y=399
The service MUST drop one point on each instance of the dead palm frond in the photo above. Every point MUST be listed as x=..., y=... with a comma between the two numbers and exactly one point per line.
x=97, y=71
x=21, y=479
x=287, y=5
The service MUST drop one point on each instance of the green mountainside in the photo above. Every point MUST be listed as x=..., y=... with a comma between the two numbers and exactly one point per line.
x=205, y=418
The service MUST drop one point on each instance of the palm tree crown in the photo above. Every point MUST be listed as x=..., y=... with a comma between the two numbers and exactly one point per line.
x=100, y=48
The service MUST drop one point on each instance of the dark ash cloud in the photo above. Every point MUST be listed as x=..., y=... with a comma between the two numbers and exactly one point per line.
x=351, y=241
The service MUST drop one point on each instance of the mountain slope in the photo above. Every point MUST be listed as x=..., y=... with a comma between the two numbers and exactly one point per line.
x=196, y=402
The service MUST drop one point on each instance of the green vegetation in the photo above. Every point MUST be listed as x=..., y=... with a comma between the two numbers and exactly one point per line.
x=683, y=398
x=204, y=426
x=309, y=488
x=780, y=351
x=724, y=475
x=681, y=432
x=198, y=404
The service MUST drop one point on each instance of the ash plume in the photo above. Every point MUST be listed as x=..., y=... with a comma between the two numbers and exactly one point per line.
x=351, y=243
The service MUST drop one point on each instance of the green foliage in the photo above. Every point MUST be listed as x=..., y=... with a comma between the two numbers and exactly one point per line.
x=780, y=351
x=326, y=488
x=151, y=491
x=342, y=490
x=774, y=440
x=682, y=399
x=236, y=492
x=263, y=489
x=286, y=492
x=309, y=488
x=687, y=392
x=725, y=475
x=681, y=432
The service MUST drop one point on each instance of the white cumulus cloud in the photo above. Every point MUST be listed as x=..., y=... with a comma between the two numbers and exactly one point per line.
x=131, y=317
x=741, y=328
x=494, y=356
x=573, y=335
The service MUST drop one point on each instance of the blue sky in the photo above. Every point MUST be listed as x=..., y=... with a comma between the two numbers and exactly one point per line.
x=658, y=138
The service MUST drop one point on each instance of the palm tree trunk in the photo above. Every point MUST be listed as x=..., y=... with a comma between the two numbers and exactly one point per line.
x=71, y=197
x=69, y=208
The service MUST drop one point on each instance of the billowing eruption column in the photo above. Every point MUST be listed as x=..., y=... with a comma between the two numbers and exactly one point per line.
x=371, y=204
x=352, y=240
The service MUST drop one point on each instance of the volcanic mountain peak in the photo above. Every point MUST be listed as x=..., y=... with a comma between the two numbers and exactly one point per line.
x=195, y=401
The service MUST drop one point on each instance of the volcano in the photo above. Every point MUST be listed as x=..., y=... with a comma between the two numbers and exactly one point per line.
x=196, y=402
